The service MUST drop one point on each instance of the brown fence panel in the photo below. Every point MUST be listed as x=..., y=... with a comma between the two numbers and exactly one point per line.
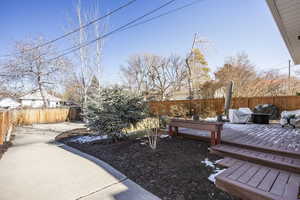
x=2, y=133
x=75, y=114
x=211, y=107
x=5, y=125
x=11, y=118
x=45, y=115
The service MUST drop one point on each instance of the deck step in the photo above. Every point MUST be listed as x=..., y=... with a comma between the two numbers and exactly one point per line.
x=257, y=182
x=227, y=162
x=268, y=159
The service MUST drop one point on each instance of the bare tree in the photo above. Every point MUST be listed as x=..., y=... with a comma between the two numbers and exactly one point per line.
x=72, y=89
x=273, y=84
x=167, y=75
x=178, y=72
x=34, y=69
x=241, y=71
x=89, y=58
x=135, y=73
x=154, y=75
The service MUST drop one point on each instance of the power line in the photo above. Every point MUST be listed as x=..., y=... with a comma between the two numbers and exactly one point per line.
x=132, y=26
x=164, y=14
x=286, y=67
x=77, y=47
x=77, y=29
x=153, y=18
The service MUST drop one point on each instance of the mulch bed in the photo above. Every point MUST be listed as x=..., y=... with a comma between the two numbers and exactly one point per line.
x=172, y=172
x=4, y=147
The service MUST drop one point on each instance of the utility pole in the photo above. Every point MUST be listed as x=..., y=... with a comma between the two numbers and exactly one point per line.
x=189, y=67
x=289, y=77
x=189, y=78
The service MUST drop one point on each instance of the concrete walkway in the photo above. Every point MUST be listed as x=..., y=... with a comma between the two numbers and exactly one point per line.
x=34, y=168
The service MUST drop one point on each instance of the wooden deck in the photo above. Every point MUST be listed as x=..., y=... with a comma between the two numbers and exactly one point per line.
x=269, y=138
x=251, y=181
x=263, y=160
x=267, y=159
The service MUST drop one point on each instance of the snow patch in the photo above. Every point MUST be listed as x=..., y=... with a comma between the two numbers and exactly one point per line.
x=216, y=170
x=212, y=177
x=211, y=119
x=238, y=127
x=162, y=136
x=88, y=138
x=208, y=163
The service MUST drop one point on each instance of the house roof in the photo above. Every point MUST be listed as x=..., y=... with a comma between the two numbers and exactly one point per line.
x=287, y=16
x=37, y=96
x=7, y=97
x=8, y=102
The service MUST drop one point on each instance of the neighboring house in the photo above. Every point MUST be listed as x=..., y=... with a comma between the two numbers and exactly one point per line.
x=180, y=95
x=35, y=100
x=9, y=102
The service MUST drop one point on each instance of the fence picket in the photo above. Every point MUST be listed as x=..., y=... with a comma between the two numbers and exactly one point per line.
x=11, y=118
x=216, y=106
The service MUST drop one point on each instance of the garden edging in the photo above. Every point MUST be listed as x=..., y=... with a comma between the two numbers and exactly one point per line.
x=114, y=172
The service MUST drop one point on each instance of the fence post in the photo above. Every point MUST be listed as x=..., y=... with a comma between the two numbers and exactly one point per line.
x=248, y=103
x=1, y=128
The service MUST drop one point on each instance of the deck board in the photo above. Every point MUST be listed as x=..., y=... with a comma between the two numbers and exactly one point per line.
x=263, y=160
x=280, y=183
x=240, y=171
x=259, y=182
x=268, y=159
x=268, y=180
x=271, y=138
x=258, y=177
x=249, y=174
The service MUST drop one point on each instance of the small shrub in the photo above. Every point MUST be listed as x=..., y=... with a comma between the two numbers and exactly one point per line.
x=151, y=128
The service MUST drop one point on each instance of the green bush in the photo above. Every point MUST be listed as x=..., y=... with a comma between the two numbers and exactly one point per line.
x=111, y=110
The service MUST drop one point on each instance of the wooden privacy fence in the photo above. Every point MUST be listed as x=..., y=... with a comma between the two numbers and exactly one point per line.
x=213, y=107
x=12, y=118
x=6, y=126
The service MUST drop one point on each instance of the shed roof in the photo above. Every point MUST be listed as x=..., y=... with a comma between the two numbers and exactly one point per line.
x=37, y=96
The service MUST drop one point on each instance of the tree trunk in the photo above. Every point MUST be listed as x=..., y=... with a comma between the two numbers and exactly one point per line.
x=45, y=103
x=84, y=105
x=189, y=79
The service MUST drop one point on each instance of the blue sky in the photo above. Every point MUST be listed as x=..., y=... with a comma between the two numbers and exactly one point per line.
x=232, y=26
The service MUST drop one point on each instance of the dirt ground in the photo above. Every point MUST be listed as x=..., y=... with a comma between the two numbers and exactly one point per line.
x=4, y=147
x=173, y=171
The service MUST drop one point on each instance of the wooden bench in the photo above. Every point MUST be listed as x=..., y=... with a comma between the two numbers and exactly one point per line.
x=215, y=128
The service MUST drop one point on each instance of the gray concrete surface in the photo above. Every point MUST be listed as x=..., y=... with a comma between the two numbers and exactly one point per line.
x=35, y=168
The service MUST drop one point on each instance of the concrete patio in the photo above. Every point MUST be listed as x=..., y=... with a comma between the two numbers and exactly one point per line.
x=36, y=168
